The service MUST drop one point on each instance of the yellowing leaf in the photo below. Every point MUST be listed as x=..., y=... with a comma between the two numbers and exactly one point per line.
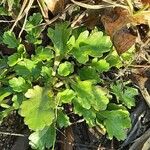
x=65, y=69
x=38, y=111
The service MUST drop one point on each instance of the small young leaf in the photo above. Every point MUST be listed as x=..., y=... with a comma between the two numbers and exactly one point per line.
x=18, y=84
x=65, y=69
x=4, y=92
x=114, y=59
x=17, y=100
x=33, y=21
x=125, y=94
x=10, y=39
x=43, y=139
x=101, y=66
x=33, y=29
x=38, y=110
x=66, y=96
x=46, y=72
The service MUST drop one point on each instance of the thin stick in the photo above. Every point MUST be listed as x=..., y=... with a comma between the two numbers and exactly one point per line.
x=26, y=15
x=20, y=15
x=23, y=27
x=3, y=21
x=13, y=134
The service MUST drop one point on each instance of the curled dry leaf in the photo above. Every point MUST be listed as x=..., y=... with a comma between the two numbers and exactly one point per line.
x=55, y=6
x=115, y=22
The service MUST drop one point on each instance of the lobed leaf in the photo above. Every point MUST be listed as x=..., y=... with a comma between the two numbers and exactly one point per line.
x=89, y=96
x=94, y=44
x=62, y=119
x=116, y=122
x=65, y=69
x=60, y=36
x=38, y=111
x=18, y=84
x=125, y=94
x=66, y=96
x=10, y=39
x=43, y=139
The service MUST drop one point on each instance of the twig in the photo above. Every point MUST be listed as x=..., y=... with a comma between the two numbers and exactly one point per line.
x=78, y=19
x=6, y=21
x=145, y=95
x=139, y=66
x=23, y=27
x=13, y=134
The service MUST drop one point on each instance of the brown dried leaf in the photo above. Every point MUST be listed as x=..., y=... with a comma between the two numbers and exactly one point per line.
x=55, y=6
x=115, y=23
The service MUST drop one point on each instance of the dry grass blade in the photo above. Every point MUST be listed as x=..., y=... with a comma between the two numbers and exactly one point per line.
x=88, y=6
x=20, y=15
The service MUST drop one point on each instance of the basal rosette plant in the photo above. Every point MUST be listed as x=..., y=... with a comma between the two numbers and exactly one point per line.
x=67, y=71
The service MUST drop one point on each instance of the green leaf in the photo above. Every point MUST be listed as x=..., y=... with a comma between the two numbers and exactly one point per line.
x=65, y=69
x=43, y=54
x=21, y=49
x=4, y=92
x=88, y=114
x=125, y=94
x=28, y=69
x=114, y=59
x=3, y=11
x=5, y=113
x=100, y=65
x=60, y=36
x=116, y=122
x=13, y=59
x=10, y=39
x=18, y=84
x=97, y=43
x=46, y=72
x=89, y=96
x=38, y=109
x=94, y=44
x=80, y=54
x=66, y=96
x=43, y=139
x=89, y=73
x=33, y=21
x=62, y=119
x=33, y=29
x=17, y=100
x=34, y=37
